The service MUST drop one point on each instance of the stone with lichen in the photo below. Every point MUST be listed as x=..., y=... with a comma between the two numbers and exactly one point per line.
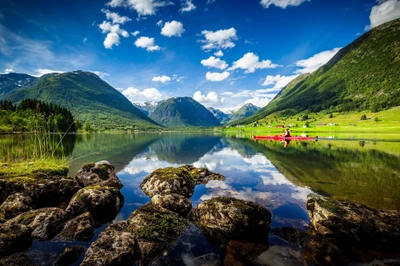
x=103, y=203
x=14, y=238
x=101, y=173
x=69, y=256
x=173, y=202
x=78, y=228
x=14, y=205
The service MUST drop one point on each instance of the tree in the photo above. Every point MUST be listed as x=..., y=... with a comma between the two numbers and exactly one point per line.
x=363, y=117
x=87, y=127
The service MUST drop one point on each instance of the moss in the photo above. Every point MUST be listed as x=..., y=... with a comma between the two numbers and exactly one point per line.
x=88, y=166
x=332, y=206
x=22, y=180
x=27, y=217
x=102, y=171
x=170, y=174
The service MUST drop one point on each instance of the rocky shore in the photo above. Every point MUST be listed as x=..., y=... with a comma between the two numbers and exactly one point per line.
x=338, y=232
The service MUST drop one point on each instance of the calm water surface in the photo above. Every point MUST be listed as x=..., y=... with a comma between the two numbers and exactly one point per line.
x=266, y=172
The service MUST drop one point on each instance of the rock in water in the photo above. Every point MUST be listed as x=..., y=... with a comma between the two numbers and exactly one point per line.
x=14, y=205
x=45, y=222
x=17, y=259
x=79, y=228
x=222, y=219
x=181, y=180
x=103, y=203
x=353, y=223
x=173, y=202
x=69, y=256
x=98, y=174
x=14, y=238
x=115, y=246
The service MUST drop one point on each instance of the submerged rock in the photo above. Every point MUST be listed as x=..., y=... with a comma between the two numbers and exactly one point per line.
x=155, y=229
x=114, y=246
x=14, y=238
x=222, y=219
x=79, y=228
x=173, y=202
x=45, y=222
x=17, y=259
x=98, y=174
x=239, y=252
x=69, y=256
x=181, y=180
x=103, y=203
x=14, y=205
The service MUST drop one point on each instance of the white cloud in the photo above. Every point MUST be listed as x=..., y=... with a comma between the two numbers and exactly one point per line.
x=383, y=12
x=135, y=33
x=211, y=99
x=159, y=23
x=142, y=7
x=8, y=71
x=101, y=74
x=147, y=43
x=113, y=31
x=173, y=28
x=215, y=76
x=250, y=62
x=281, y=3
x=43, y=71
x=219, y=53
x=115, y=17
x=84, y=40
x=279, y=81
x=177, y=78
x=187, y=6
x=210, y=1
x=162, y=79
x=220, y=39
x=316, y=61
x=111, y=39
x=136, y=95
x=214, y=62
x=260, y=102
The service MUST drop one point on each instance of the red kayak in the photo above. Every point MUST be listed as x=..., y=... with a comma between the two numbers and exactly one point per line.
x=284, y=138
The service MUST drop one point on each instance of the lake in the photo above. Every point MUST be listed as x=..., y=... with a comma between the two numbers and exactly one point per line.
x=276, y=175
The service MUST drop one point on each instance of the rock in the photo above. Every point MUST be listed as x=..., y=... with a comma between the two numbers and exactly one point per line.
x=45, y=223
x=114, y=246
x=69, y=256
x=14, y=238
x=291, y=235
x=79, y=228
x=101, y=174
x=14, y=205
x=50, y=191
x=7, y=188
x=181, y=180
x=173, y=202
x=103, y=203
x=222, y=219
x=155, y=229
x=210, y=259
x=17, y=259
x=238, y=252
x=354, y=224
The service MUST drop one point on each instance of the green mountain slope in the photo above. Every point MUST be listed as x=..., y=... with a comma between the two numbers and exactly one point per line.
x=181, y=112
x=244, y=111
x=12, y=82
x=362, y=76
x=88, y=97
x=221, y=116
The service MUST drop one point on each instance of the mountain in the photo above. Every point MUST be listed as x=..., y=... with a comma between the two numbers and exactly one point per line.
x=181, y=112
x=364, y=75
x=244, y=111
x=146, y=107
x=10, y=83
x=87, y=96
x=221, y=116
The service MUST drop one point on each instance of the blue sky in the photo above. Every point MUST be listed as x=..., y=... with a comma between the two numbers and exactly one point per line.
x=224, y=53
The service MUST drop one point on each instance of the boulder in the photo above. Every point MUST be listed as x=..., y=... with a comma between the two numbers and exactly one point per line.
x=114, y=246
x=222, y=219
x=69, y=256
x=353, y=224
x=14, y=205
x=51, y=191
x=103, y=203
x=45, y=223
x=17, y=259
x=14, y=238
x=173, y=202
x=98, y=174
x=7, y=188
x=181, y=180
x=155, y=229
x=79, y=228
